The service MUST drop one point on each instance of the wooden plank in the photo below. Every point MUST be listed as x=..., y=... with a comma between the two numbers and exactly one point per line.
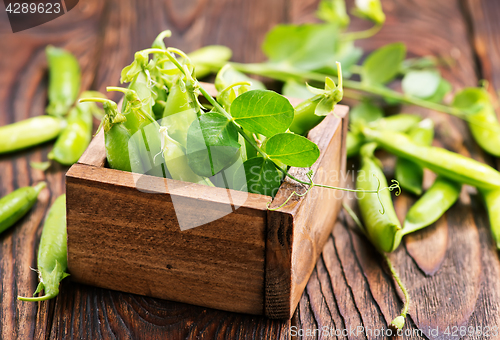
x=297, y=232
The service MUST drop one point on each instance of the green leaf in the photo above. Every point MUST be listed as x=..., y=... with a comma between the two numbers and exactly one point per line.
x=421, y=84
x=294, y=89
x=228, y=76
x=471, y=99
x=292, y=150
x=366, y=112
x=262, y=177
x=333, y=11
x=325, y=106
x=262, y=111
x=443, y=89
x=212, y=143
x=308, y=46
x=206, y=55
x=370, y=10
x=383, y=64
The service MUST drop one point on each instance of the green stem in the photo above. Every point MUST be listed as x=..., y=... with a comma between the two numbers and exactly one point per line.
x=350, y=36
x=284, y=73
x=400, y=284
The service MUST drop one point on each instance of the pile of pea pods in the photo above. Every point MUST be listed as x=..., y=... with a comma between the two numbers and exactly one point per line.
x=71, y=124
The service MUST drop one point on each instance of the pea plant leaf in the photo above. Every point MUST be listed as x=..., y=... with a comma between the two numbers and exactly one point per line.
x=292, y=150
x=421, y=84
x=212, y=144
x=228, y=76
x=443, y=89
x=471, y=99
x=262, y=111
x=384, y=64
x=262, y=177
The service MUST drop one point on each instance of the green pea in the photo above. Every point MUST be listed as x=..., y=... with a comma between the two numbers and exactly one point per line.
x=64, y=80
x=482, y=119
x=52, y=252
x=77, y=135
x=30, y=132
x=432, y=205
x=443, y=162
x=409, y=174
x=16, y=204
x=492, y=202
x=382, y=226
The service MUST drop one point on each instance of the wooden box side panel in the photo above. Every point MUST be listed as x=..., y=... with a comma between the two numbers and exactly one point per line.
x=129, y=240
x=297, y=232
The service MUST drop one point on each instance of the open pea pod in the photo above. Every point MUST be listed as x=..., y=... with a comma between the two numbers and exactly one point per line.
x=381, y=224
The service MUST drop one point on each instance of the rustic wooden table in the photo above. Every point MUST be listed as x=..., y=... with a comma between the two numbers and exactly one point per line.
x=452, y=268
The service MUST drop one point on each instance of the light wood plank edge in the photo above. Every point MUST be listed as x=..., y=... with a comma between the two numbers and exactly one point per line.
x=279, y=302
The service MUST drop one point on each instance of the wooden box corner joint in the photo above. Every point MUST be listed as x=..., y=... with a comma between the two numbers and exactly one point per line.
x=250, y=260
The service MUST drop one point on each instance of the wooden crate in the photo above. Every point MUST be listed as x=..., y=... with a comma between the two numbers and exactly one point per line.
x=252, y=260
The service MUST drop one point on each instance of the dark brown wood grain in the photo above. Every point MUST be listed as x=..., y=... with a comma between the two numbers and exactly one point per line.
x=349, y=287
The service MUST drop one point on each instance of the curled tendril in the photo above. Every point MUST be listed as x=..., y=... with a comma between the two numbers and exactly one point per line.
x=392, y=187
x=309, y=175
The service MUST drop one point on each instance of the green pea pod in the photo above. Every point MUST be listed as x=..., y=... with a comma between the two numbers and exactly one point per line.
x=492, y=201
x=310, y=112
x=407, y=173
x=354, y=142
x=305, y=117
x=381, y=223
x=179, y=112
x=77, y=135
x=401, y=122
x=177, y=162
x=432, y=205
x=30, y=132
x=64, y=80
x=482, y=119
x=443, y=162
x=16, y=204
x=52, y=252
